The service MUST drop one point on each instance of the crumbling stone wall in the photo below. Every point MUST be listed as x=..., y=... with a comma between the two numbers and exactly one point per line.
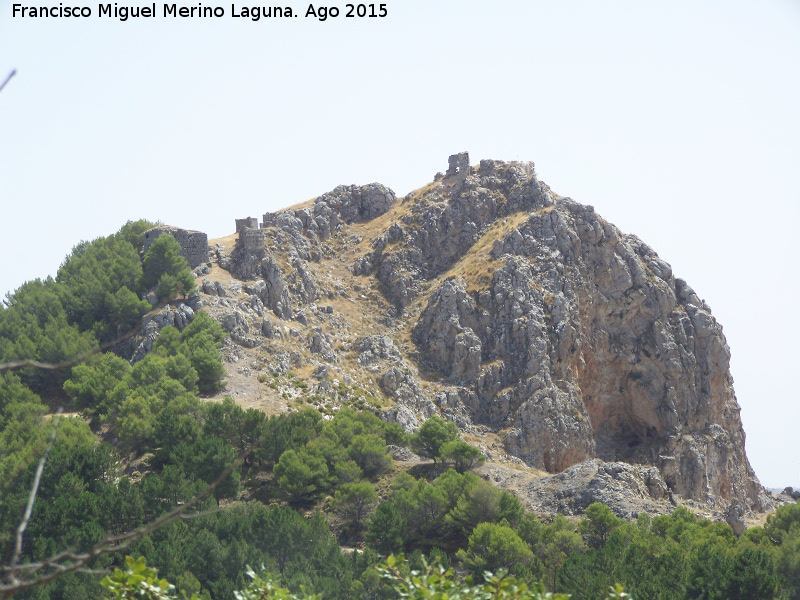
x=194, y=244
x=458, y=164
x=269, y=219
x=252, y=240
x=245, y=260
x=249, y=222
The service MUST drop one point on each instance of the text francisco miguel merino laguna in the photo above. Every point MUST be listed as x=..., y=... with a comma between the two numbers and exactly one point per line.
x=123, y=13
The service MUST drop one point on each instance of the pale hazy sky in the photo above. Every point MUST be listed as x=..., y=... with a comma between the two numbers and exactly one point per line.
x=678, y=121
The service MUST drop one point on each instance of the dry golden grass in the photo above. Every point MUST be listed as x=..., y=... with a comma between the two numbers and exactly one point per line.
x=299, y=205
x=369, y=230
x=413, y=196
x=227, y=242
x=759, y=520
x=545, y=210
x=363, y=315
x=216, y=274
x=477, y=265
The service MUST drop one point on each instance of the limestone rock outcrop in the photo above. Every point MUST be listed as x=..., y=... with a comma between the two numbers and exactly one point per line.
x=581, y=344
x=178, y=316
x=521, y=313
x=627, y=489
x=344, y=205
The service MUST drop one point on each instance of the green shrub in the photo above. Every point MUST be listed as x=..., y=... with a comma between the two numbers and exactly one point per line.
x=353, y=502
x=461, y=455
x=434, y=433
x=302, y=475
x=493, y=547
x=163, y=266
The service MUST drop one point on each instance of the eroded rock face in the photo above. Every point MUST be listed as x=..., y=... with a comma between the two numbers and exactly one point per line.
x=345, y=204
x=272, y=290
x=376, y=352
x=178, y=316
x=440, y=230
x=627, y=489
x=353, y=203
x=445, y=332
x=549, y=327
x=525, y=389
x=589, y=346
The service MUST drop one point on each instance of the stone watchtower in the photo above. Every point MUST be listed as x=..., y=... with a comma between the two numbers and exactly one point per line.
x=458, y=164
x=251, y=238
x=249, y=222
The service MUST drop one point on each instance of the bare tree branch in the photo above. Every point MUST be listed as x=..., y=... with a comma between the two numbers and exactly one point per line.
x=26, y=516
x=15, y=577
x=24, y=462
x=28, y=575
x=10, y=75
x=16, y=365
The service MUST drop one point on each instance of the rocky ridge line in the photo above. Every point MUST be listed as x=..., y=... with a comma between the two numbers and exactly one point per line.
x=530, y=317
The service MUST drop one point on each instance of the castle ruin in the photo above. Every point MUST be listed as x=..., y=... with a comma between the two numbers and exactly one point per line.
x=251, y=238
x=269, y=219
x=249, y=223
x=458, y=164
x=194, y=244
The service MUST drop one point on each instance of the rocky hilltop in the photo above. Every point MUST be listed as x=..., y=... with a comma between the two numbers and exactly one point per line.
x=555, y=341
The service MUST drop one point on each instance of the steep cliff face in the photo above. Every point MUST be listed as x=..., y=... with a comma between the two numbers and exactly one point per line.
x=582, y=344
x=529, y=317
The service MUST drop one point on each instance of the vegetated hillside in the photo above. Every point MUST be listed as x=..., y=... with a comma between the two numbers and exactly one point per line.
x=480, y=311
x=548, y=336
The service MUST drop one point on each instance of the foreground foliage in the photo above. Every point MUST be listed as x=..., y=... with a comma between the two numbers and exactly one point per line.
x=431, y=583
x=137, y=580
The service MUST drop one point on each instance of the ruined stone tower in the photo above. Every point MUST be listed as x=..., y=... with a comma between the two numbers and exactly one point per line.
x=458, y=164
